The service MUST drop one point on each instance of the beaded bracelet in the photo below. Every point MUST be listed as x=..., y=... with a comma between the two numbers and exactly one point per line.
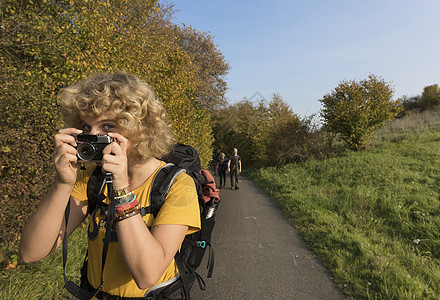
x=121, y=213
x=125, y=200
x=124, y=195
x=123, y=207
x=127, y=215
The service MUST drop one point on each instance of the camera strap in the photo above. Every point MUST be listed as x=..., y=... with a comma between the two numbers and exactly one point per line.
x=73, y=288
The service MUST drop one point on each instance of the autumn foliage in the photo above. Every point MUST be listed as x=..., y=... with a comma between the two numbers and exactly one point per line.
x=47, y=44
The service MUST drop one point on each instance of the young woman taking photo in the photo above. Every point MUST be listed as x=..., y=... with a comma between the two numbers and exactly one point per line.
x=142, y=257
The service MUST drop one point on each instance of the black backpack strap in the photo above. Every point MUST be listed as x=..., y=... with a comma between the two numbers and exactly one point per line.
x=183, y=276
x=161, y=185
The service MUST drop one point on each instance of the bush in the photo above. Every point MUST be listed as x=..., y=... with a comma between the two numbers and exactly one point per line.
x=301, y=142
x=26, y=131
x=355, y=110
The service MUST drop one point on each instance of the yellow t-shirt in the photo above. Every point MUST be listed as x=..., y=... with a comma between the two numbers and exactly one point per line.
x=180, y=207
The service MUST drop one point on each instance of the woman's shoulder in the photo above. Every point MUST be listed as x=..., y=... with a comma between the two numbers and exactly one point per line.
x=184, y=179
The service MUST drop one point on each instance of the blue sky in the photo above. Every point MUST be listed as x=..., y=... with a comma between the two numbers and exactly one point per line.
x=302, y=49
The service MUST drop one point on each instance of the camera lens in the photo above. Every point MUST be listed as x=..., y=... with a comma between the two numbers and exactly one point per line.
x=86, y=151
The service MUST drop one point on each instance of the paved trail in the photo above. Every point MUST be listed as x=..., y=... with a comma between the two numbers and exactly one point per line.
x=259, y=255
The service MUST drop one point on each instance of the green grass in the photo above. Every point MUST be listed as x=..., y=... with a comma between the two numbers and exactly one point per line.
x=44, y=279
x=372, y=217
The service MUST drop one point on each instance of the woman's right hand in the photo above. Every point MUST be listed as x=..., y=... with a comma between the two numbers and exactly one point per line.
x=65, y=159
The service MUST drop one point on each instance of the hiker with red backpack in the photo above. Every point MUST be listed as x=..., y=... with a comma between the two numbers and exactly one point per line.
x=108, y=165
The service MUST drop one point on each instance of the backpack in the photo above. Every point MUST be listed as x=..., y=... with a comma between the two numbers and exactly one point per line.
x=183, y=158
x=223, y=165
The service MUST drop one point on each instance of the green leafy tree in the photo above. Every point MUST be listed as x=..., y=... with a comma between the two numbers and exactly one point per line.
x=356, y=109
x=225, y=135
x=280, y=113
x=262, y=131
x=409, y=104
x=242, y=126
x=430, y=97
x=284, y=126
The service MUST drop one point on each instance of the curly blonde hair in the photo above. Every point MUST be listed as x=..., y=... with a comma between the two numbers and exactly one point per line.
x=139, y=113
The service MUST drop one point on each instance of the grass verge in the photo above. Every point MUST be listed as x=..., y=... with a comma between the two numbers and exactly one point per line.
x=43, y=279
x=372, y=217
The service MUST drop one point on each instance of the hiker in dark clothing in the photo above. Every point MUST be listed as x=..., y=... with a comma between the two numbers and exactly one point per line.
x=221, y=168
x=234, y=168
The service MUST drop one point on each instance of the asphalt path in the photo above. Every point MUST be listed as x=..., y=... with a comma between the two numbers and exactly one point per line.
x=259, y=254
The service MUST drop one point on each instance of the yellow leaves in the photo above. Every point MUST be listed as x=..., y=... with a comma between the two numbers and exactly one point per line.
x=11, y=265
x=6, y=149
x=9, y=9
x=134, y=36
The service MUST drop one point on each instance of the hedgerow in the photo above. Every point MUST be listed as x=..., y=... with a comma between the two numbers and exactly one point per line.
x=46, y=45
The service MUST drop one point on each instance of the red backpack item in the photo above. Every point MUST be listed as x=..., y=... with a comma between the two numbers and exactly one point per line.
x=209, y=189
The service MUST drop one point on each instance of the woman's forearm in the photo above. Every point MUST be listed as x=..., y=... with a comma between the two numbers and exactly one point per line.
x=148, y=254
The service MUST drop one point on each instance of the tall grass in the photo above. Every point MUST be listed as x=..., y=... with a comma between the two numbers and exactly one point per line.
x=372, y=217
x=411, y=124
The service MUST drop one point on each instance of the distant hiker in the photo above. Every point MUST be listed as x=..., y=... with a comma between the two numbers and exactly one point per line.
x=234, y=168
x=221, y=168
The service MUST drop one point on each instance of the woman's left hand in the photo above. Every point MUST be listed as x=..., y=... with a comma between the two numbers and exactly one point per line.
x=115, y=161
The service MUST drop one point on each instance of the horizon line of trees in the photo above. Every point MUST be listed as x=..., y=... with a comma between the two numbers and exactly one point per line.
x=427, y=100
x=269, y=133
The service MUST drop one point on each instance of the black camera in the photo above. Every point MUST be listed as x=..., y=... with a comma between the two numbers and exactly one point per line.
x=90, y=146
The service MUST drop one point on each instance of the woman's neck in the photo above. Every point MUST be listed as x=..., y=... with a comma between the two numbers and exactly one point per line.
x=139, y=173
